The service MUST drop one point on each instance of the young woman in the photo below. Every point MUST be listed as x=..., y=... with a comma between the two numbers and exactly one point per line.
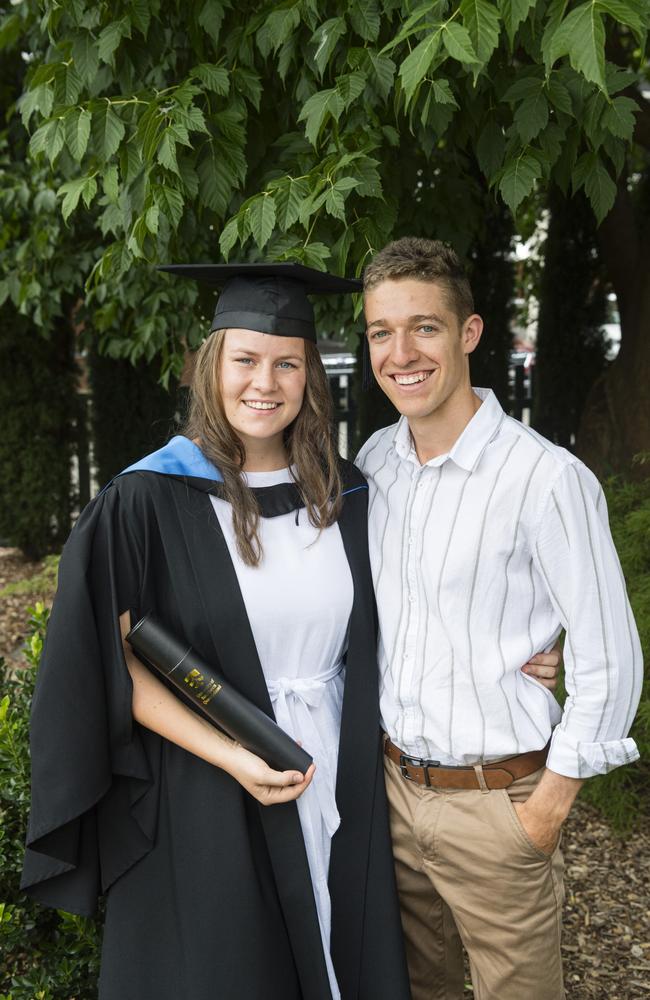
x=225, y=879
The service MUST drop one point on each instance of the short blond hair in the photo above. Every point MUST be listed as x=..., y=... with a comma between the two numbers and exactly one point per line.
x=424, y=260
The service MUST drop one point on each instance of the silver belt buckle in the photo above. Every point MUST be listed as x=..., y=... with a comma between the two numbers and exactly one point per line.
x=405, y=759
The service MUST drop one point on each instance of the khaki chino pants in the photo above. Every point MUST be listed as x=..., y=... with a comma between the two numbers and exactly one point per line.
x=467, y=850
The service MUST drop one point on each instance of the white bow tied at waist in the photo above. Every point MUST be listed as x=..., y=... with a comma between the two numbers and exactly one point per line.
x=292, y=698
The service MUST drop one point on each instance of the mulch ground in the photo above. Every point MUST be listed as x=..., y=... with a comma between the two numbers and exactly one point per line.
x=607, y=912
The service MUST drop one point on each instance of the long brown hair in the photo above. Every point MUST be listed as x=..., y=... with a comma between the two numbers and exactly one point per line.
x=309, y=442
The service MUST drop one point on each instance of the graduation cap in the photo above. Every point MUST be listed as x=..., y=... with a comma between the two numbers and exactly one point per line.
x=269, y=298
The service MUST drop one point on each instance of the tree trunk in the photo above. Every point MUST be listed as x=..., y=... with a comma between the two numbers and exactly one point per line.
x=616, y=421
x=570, y=345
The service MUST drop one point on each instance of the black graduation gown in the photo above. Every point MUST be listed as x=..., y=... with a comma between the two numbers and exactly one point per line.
x=208, y=893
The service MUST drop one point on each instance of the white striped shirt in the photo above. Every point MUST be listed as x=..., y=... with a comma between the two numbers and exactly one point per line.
x=479, y=558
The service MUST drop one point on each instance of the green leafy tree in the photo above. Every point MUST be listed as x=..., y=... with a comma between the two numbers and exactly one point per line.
x=314, y=131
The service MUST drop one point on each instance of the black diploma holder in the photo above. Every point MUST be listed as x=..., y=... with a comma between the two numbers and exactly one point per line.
x=157, y=647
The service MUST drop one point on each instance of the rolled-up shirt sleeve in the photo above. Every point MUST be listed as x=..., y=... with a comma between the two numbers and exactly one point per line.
x=603, y=661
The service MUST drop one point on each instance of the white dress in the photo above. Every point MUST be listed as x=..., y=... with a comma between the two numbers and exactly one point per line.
x=298, y=602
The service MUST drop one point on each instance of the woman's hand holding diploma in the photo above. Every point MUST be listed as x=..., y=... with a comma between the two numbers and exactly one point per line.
x=156, y=708
x=266, y=785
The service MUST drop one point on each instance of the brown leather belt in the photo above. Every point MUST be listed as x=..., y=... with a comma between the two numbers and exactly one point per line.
x=498, y=775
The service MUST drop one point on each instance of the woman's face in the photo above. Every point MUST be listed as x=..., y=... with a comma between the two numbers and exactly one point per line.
x=262, y=380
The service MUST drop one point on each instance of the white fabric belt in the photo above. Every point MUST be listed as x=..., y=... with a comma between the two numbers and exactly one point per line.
x=292, y=698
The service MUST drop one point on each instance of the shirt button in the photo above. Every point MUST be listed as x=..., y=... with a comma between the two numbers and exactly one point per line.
x=411, y=540
x=406, y=656
x=411, y=599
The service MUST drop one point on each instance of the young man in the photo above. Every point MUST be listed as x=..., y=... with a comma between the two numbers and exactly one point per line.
x=486, y=540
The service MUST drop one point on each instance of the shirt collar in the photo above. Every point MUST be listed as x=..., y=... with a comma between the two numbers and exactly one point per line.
x=469, y=446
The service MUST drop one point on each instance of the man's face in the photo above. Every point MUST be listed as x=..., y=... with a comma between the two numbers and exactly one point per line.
x=418, y=346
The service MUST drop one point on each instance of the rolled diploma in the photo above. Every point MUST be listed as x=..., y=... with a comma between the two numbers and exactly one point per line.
x=157, y=647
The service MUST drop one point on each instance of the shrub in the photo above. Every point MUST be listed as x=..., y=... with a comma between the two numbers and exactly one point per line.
x=44, y=954
x=624, y=794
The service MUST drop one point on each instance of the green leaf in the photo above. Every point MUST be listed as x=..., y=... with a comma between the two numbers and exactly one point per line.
x=140, y=14
x=110, y=182
x=261, y=218
x=458, y=43
x=518, y=180
x=414, y=24
x=312, y=203
x=527, y=86
x=335, y=204
x=619, y=118
x=45, y=200
x=315, y=255
x=211, y=18
x=335, y=199
x=166, y=154
x=39, y=99
x=49, y=138
x=325, y=38
x=11, y=29
x=85, y=56
x=137, y=238
x=247, y=83
x=551, y=142
x=349, y=87
x=46, y=73
x=594, y=108
x=214, y=77
x=383, y=69
x=556, y=11
x=559, y=95
x=583, y=167
x=170, y=202
x=320, y=106
x=531, y=117
x=618, y=78
x=280, y=24
x=364, y=15
x=68, y=85
x=616, y=151
x=366, y=173
x=289, y=197
x=346, y=184
x=77, y=132
x=391, y=134
x=108, y=131
x=513, y=13
x=564, y=167
x=442, y=92
x=341, y=248
x=110, y=38
x=152, y=218
x=73, y=191
x=626, y=13
x=229, y=236
x=581, y=36
x=417, y=64
x=217, y=181
x=601, y=190
x=89, y=191
x=482, y=21
x=490, y=149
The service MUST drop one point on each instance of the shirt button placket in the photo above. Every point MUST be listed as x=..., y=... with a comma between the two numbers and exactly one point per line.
x=409, y=674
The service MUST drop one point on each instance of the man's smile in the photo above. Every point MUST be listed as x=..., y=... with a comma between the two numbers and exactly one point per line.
x=410, y=378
